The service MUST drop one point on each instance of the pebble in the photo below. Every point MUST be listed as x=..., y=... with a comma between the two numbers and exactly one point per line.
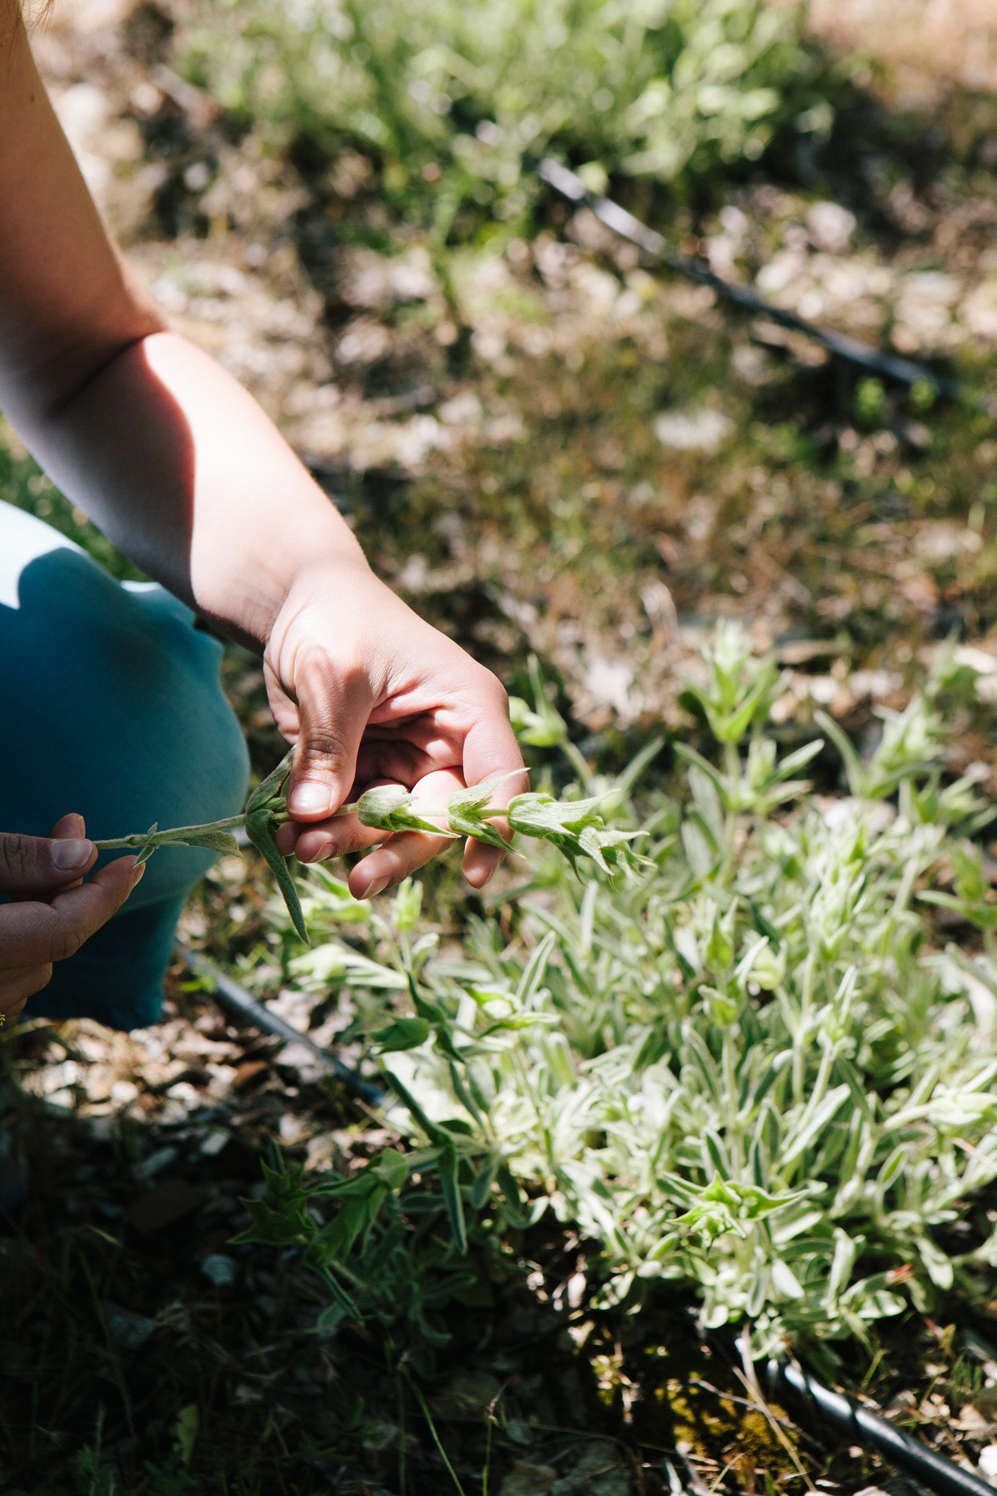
x=219, y=1268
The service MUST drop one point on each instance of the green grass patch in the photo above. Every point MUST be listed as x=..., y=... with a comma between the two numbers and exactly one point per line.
x=458, y=103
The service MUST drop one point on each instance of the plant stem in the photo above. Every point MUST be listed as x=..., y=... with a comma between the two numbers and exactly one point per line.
x=173, y=833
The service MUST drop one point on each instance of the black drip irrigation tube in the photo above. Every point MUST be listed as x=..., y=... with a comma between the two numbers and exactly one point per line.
x=866, y=1428
x=570, y=186
x=233, y=996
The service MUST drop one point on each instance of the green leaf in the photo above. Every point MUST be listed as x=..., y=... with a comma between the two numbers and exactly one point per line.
x=259, y=829
x=466, y=811
x=407, y=905
x=212, y=841
x=404, y=1033
x=537, y=813
x=463, y=824
x=388, y=807
x=151, y=843
x=270, y=790
x=448, y=1164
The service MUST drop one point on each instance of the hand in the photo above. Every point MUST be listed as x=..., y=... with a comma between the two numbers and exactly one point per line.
x=371, y=694
x=53, y=911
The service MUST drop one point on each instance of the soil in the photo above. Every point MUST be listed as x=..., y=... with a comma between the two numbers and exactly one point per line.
x=592, y=465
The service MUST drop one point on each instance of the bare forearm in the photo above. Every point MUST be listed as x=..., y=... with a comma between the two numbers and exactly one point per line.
x=182, y=469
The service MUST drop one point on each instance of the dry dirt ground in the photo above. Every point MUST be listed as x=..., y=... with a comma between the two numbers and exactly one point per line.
x=137, y=1338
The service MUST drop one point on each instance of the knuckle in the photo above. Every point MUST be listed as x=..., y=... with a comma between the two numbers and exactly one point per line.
x=323, y=748
x=16, y=860
x=493, y=689
x=67, y=942
x=38, y=978
x=20, y=984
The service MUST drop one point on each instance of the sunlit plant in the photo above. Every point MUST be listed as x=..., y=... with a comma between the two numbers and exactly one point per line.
x=578, y=828
x=753, y=1068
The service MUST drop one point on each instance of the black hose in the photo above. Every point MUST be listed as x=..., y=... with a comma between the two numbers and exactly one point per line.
x=615, y=217
x=928, y=1467
x=235, y=997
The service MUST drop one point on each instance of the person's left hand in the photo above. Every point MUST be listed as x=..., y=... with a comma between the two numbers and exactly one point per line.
x=371, y=694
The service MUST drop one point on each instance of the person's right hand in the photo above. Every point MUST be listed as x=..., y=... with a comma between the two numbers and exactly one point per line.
x=53, y=912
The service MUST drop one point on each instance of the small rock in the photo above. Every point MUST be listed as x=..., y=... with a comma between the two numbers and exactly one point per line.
x=168, y=1203
x=219, y=1268
x=692, y=430
x=988, y=1461
x=154, y=1162
x=214, y=1142
x=126, y=1328
x=830, y=226
x=596, y=1472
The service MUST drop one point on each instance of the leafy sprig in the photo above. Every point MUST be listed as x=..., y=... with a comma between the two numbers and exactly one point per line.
x=578, y=828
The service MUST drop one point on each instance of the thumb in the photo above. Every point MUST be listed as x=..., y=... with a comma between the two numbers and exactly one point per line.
x=332, y=723
x=33, y=865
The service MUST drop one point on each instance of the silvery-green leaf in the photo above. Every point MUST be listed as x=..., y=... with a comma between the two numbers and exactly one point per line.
x=464, y=817
x=543, y=729
x=212, y=841
x=403, y=1033
x=536, y=813
x=472, y=797
x=270, y=788
x=376, y=805
x=407, y=904
x=149, y=845
x=482, y=830
x=388, y=807
x=259, y=829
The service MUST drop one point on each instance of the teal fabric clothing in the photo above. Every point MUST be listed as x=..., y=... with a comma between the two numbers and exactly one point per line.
x=112, y=707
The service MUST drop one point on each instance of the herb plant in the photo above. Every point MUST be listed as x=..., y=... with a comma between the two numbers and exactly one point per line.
x=577, y=827
x=751, y=1068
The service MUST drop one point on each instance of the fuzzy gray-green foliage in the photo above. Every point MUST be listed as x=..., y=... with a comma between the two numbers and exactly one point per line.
x=748, y=1068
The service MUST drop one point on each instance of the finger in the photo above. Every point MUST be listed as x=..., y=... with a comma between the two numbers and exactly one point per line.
x=406, y=851
x=401, y=855
x=14, y=1011
x=34, y=865
x=71, y=827
x=333, y=708
x=33, y=933
x=397, y=758
x=334, y=838
x=18, y=985
x=492, y=753
x=481, y=859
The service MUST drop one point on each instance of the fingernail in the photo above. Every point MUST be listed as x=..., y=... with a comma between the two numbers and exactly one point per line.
x=374, y=887
x=71, y=854
x=138, y=873
x=310, y=799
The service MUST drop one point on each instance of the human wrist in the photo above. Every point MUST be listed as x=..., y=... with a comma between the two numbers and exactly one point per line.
x=322, y=557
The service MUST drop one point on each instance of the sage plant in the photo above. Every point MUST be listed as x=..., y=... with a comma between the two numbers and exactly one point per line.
x=578, y=828
x=754, y=1068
